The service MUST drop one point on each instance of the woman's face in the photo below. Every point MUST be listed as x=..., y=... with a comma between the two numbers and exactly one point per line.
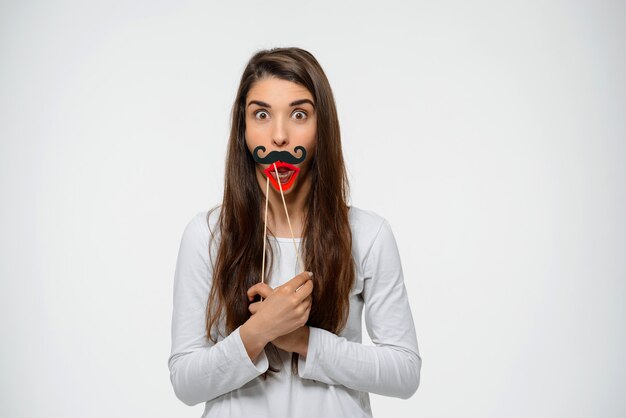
x=280, y=116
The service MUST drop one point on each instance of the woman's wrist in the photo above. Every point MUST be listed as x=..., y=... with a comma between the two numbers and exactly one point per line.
x=253, y=340
x=304, y=348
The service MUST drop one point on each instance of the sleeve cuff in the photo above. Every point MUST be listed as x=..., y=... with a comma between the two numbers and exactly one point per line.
x=261, y=364
x=306, y=366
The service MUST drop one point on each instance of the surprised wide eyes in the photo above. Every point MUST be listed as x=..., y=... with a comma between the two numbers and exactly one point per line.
x=261, y=114
x=264, y=114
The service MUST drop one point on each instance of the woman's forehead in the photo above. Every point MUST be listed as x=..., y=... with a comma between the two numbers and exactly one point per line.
x=277, y=90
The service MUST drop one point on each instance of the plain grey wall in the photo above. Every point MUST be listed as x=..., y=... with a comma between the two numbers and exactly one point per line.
x=491, y=135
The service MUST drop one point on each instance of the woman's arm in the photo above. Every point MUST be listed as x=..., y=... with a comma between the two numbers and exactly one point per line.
x=199, y=369
x=392, y=366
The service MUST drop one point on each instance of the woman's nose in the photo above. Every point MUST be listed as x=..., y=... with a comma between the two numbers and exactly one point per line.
x=279, y=134
x=279, y=142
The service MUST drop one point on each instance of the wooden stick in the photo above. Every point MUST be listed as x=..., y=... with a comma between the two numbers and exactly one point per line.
x=288, y=221
x=267, y=193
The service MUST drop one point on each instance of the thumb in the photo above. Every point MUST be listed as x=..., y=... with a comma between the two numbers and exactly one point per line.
x=262, y=289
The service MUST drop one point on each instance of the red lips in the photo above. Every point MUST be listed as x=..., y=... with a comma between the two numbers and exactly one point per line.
x=282, y=167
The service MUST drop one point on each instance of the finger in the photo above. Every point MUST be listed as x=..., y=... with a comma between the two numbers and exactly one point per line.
x=262, y=289
x=305, y=290
x=298, y=280
x=307, y=283
x=254, y=307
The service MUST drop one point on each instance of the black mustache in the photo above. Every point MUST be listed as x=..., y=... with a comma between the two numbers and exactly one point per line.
x=274, y=156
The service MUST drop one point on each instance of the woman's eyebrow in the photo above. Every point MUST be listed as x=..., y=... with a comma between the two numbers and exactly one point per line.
x=302, y=101
x=294, y=103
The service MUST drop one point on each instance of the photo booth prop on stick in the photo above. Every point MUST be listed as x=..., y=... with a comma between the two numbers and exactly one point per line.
x=282, y=174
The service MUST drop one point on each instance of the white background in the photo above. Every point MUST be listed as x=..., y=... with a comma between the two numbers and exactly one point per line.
x=491, y=135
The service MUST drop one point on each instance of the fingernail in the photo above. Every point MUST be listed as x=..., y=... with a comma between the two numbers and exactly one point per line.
x=310, y=273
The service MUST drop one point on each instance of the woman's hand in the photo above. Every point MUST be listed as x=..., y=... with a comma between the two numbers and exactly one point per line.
x=286, y=309
x=296, y=341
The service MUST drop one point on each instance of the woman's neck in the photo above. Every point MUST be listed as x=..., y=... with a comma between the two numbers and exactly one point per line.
x=295, y=201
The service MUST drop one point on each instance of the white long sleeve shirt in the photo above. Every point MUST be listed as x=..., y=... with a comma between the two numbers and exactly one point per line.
x=335, y=378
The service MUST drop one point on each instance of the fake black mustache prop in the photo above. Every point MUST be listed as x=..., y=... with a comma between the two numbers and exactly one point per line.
x=274, y=156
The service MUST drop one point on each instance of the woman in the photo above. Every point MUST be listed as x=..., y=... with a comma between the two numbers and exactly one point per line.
x=252, y=338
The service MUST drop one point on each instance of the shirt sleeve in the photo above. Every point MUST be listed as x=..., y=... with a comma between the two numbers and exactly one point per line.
x=201, y=370
x=392, y=366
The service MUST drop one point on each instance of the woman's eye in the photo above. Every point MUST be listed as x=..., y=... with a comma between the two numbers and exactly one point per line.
x=300, y=115
x=261, y=114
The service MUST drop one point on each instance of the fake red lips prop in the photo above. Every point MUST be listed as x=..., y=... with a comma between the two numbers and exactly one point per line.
x=281, y=172
x=287, y=174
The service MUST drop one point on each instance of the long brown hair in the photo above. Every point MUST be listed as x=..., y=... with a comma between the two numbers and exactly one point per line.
x=327, y=239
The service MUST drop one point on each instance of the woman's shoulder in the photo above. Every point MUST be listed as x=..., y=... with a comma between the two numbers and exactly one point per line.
x=366, y=226
x=204, y=224
x=199, y=234
x=364, y=222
